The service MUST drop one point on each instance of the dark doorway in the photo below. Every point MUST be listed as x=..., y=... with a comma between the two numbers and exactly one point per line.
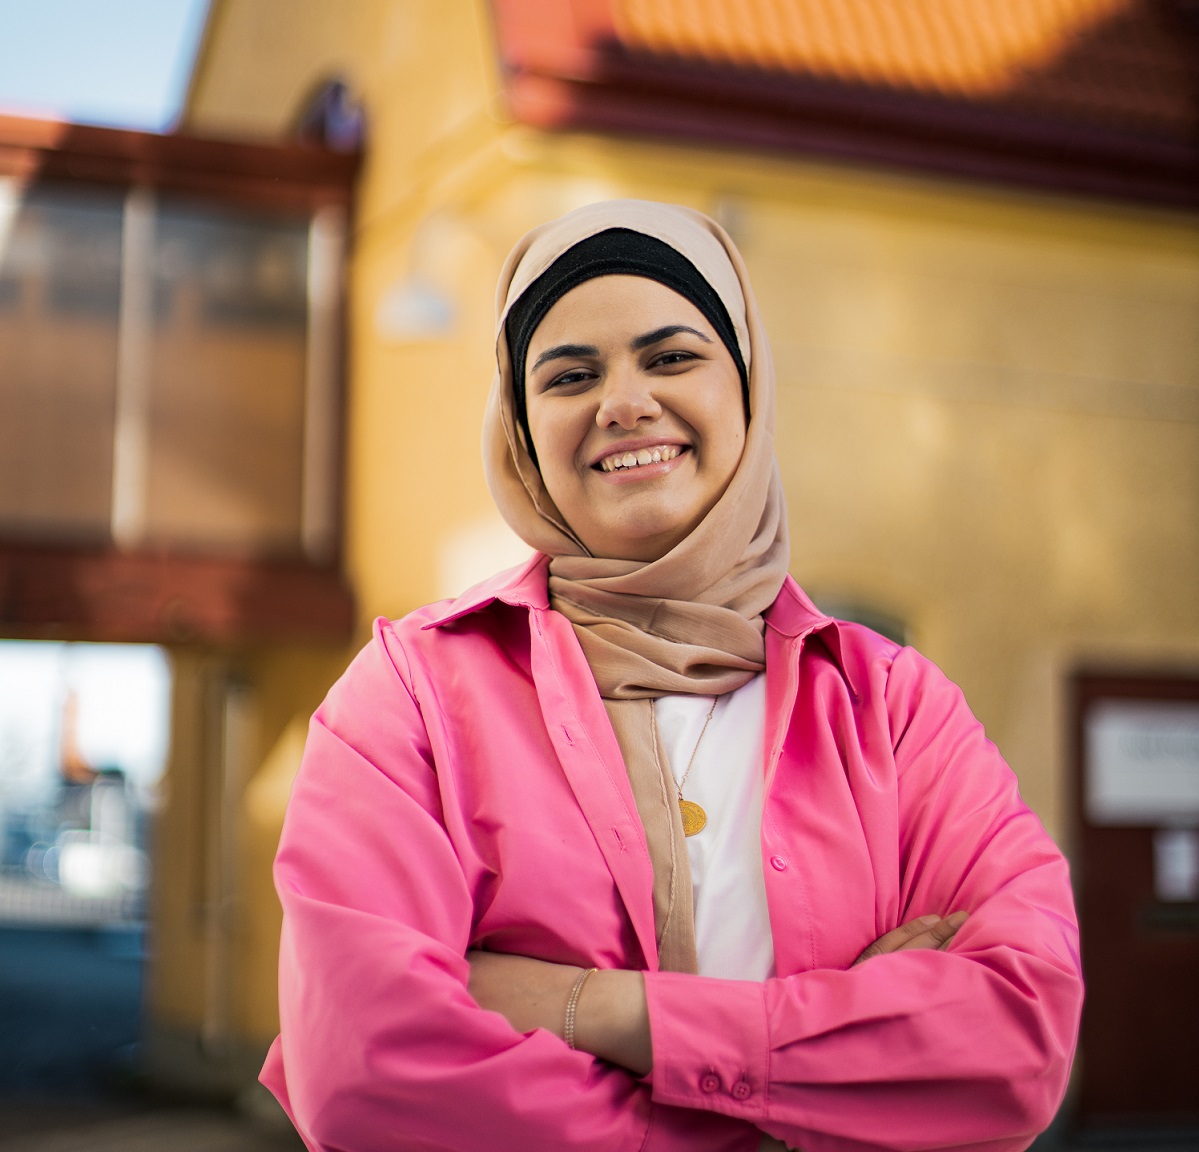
x=1136, y=804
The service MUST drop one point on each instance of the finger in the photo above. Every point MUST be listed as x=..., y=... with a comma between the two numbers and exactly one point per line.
x=957, y=919
x=895, y=939
x=926, y=932
x=942, y=932
x=939, y=934
x=936, y=937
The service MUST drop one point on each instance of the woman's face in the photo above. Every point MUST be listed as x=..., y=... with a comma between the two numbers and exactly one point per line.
x=635, y=408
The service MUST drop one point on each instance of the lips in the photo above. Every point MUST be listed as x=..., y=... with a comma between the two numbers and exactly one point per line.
x=630, y=458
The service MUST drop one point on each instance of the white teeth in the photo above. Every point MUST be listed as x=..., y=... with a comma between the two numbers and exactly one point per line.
x=642, y=456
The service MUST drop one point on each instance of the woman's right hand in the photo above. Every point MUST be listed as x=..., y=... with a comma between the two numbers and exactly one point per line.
x=924, y=932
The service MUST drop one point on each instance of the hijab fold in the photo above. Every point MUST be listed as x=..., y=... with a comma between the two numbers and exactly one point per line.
x=690, y=621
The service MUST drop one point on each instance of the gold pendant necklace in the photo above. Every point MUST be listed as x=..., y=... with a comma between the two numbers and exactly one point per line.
x=694, y=817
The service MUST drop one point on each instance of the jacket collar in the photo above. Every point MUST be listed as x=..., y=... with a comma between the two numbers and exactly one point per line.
x=793, y=613
x=794, y=616
x=524, y=586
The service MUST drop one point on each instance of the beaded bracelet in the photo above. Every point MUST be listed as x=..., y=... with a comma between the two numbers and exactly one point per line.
x=572, y=1003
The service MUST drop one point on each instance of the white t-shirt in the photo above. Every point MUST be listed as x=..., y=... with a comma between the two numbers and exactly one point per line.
x=732, y=924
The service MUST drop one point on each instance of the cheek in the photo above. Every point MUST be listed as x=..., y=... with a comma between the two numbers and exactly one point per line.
x=541, y=433
x=727, y=427
x=730, y=459
x=734, y=424
x=556, y=440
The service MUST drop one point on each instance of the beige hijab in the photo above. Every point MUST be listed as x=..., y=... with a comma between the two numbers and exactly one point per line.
x=691, y=621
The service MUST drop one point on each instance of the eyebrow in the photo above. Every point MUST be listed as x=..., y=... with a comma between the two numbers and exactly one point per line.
x=562, y=350
x=664, y=334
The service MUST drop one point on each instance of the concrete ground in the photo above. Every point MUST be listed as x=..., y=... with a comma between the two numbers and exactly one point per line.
x=137, y=1124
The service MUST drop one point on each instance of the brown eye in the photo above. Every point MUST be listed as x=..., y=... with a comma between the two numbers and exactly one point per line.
x=667, y=359
x=567, y=379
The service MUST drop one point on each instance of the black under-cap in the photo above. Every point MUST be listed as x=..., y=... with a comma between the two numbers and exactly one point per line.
x=614, y=252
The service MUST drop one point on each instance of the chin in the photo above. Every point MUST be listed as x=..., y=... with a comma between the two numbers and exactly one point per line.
x=647, y=540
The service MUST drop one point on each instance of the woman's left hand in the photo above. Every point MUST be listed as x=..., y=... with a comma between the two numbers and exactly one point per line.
x=611, y=1017
x=930, y=931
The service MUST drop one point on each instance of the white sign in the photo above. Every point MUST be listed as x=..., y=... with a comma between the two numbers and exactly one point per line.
x=1176, y=864
x=1143, y=762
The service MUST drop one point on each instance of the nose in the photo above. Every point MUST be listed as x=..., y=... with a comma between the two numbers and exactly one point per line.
x=627, y=398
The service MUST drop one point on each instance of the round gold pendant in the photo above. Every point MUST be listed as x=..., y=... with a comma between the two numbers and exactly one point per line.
x=694, y=817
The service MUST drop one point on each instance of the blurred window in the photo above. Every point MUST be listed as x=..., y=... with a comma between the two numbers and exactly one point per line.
x=60, y=295
x=225, y=417
x=171, y=359
x=156, y=374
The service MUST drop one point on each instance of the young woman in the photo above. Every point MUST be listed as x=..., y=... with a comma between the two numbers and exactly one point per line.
x=632, y=847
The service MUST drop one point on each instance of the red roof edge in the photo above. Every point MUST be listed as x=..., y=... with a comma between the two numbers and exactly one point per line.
x=566, y=72
x=285, y=174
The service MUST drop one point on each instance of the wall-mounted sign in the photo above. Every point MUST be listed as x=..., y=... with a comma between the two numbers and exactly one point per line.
x=1142, y=761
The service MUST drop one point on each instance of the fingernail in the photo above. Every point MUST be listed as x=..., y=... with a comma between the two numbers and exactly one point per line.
x=929, y=921
x=957, y=919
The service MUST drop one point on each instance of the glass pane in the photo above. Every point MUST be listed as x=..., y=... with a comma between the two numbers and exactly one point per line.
x=226, y=409
x=60, y=287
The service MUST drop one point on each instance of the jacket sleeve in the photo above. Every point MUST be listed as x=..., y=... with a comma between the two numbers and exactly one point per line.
x=966, y=1048
x=381, y=1045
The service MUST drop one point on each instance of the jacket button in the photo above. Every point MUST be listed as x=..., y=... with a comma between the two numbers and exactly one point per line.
x=778, y=863
x=742, y=1091
x=709, y=1082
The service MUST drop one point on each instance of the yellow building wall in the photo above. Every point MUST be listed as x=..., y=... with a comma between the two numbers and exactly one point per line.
x=988, y=399
x=215, y=917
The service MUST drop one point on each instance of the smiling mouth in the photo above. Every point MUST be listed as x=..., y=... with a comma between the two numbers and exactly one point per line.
x=619, y=461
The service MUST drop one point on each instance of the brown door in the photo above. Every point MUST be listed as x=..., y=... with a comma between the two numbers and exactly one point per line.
x=1136, y=872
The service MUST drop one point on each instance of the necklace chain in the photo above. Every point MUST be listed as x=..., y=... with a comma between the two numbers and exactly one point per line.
x=690, y=763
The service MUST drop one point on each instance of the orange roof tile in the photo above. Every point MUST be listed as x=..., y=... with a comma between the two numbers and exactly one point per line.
x=1133, y=67
x=1090, y=94
x=951, y=46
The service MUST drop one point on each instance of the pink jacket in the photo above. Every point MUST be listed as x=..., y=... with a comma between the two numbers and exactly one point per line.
x=462, y=788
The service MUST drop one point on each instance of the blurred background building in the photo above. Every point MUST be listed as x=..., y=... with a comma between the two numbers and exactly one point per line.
x=243, y=368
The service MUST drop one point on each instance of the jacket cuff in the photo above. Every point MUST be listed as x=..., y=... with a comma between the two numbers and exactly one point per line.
x=711, y=1043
